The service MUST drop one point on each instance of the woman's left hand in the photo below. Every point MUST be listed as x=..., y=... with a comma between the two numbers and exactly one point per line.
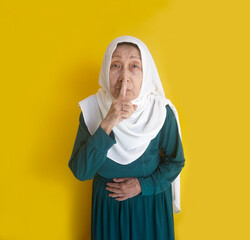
x=124, y=188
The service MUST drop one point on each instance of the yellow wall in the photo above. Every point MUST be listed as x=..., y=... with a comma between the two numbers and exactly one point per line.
x=51, y=54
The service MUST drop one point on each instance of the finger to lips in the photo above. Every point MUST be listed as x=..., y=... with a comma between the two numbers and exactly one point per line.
x=123, y=90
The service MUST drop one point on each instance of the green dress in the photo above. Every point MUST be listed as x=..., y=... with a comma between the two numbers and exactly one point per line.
x=147, y=216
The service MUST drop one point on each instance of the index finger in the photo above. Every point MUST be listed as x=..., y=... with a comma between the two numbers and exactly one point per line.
x=123, y=90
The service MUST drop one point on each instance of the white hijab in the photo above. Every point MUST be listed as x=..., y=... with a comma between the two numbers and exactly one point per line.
x=132, y=135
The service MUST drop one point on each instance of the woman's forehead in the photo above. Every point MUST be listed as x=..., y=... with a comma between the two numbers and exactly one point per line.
x=125, y=49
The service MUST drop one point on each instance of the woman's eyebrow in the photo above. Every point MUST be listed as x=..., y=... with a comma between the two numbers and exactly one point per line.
x=136, y=57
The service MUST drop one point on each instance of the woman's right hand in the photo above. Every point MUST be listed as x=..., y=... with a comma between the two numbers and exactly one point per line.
x=120, y=109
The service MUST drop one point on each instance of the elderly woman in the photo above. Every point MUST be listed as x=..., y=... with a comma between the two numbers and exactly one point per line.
x=129, y=142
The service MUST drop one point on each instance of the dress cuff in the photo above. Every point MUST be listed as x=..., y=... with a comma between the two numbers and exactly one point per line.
x=101, y=141
x=147, y=186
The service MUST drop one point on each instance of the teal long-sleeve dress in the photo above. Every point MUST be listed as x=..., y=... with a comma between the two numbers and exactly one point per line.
x=147, y=216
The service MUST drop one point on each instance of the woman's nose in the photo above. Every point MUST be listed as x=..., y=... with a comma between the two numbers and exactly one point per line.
x=124, y=75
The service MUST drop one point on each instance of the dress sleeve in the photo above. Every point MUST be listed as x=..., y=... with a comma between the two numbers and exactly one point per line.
x=89, y=151
x=172, y=158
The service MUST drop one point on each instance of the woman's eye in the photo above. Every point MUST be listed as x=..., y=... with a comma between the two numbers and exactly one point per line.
x=135, y=66
x=115, y=65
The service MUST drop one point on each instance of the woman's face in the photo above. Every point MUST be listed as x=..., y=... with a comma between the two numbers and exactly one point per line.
x=126, y=71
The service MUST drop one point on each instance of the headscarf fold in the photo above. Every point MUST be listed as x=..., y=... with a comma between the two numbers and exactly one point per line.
x=133, y=135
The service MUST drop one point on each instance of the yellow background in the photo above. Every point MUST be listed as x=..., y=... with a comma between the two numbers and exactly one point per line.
x=51, y=54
